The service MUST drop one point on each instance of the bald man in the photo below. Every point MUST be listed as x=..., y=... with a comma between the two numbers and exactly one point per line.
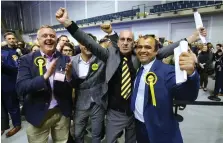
x=121, y=66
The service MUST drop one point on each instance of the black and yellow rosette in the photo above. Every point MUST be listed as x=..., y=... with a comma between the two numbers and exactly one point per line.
x=15, y=57
x=151, y=79
x=40, y=62
x=94, y=67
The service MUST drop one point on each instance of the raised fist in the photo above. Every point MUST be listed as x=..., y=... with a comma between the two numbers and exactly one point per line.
x=61, y=15
x=107, y=28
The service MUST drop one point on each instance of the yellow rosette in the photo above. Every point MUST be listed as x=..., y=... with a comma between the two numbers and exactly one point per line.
x=40, y=62
x=151, y=79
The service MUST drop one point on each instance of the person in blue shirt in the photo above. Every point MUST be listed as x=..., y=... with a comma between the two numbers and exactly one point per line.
x=154, y=90
x=9, y=65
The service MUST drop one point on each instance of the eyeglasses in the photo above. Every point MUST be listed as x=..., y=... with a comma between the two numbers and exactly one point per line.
x=67, y=50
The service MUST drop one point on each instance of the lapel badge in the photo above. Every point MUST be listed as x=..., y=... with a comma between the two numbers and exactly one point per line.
x=14, y=57
x=151, y=78
x=94, y=67
x=40, y=61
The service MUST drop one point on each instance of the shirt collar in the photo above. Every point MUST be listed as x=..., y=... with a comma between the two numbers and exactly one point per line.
x=148, y=66
x=81, y=60
x=46, y=56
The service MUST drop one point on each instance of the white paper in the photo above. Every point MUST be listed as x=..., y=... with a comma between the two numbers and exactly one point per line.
x=59, y=76
x=181, y=75
x=199, y=23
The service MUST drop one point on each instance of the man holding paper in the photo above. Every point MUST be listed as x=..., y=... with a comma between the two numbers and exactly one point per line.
x=154, y=89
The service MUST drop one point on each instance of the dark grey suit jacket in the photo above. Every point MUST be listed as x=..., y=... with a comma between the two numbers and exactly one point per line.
x=90, y=89
x=111, y=55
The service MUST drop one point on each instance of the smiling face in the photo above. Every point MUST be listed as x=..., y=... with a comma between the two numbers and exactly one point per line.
x=146, y=50
x=47, y=40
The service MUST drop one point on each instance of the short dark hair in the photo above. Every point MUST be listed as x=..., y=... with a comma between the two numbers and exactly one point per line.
x=58, y=39
x=157, y=46
x=219, y=45
x=68, y=45
x=104, y=40
x=8, y=33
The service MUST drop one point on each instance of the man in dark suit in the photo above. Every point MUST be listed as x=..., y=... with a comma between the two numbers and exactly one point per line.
x=43, y=79
x=9, y=65
x=154, y=90
x=121, y=66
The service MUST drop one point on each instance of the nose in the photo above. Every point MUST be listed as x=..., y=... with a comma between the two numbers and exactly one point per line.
x=143, y=50
x=125, y=42
x=49, y=37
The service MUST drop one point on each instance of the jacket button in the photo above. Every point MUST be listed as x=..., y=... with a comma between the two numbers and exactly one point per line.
x=46, y=103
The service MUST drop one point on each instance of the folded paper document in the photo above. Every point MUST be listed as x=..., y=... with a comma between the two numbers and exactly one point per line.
x=181, y=75
x=199, y=23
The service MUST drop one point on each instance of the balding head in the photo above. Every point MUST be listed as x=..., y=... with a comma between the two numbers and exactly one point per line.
x=125, y=42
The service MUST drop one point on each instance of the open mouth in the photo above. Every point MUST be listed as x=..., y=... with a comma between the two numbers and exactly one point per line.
x=49, y=42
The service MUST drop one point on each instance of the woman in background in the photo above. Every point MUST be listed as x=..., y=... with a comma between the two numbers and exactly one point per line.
x=68, y=49
x=203, y=58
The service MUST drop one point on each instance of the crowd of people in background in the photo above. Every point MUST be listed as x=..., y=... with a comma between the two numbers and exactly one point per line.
x=209, y=63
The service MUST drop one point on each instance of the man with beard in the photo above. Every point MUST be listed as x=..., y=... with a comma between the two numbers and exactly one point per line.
x=9, y=72
x=43, y=81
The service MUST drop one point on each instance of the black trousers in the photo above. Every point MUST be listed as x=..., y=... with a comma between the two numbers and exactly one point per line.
x=203, y=78
x=218, y=83
x=141, y=132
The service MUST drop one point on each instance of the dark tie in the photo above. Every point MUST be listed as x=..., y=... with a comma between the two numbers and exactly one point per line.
x=135, y=89
x=126, y=80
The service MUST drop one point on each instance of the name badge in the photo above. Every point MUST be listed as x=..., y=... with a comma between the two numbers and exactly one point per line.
x=59, y=76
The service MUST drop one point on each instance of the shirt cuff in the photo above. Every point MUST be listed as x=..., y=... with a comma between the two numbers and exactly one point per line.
x=112, y=33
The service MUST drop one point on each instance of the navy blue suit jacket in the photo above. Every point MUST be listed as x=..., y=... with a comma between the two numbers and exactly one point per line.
x=159, y=120
x=9, y=69
x=37, y=92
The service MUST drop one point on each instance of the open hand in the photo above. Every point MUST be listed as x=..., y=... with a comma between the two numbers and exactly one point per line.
x=51, y=70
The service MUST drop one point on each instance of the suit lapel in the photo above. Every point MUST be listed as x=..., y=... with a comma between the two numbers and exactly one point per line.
x=90, y=71
x=75, y=61
x=58, y=64
x=114, y=64
x=135, y=62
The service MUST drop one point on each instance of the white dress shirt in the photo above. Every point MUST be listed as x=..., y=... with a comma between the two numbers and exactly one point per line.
x=139, y=103
x=83, y=68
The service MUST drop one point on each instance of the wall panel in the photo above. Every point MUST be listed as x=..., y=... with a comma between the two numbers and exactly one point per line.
x=76, y=9
x=97, y=8
x=45, y=13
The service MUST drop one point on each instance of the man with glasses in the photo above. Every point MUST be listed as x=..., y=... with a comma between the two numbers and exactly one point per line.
x=68, y=50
